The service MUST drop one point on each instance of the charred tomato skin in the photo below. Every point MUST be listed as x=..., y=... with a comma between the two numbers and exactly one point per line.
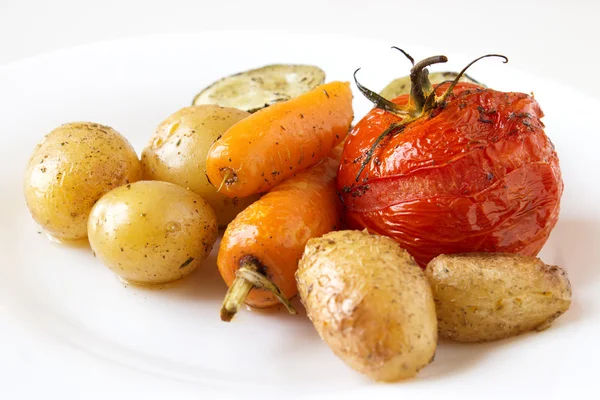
x=477, y=174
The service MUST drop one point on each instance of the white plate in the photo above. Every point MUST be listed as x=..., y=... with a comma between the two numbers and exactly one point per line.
x=68, y=327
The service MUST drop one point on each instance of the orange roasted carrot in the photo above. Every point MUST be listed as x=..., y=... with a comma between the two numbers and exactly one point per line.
x=261, y=247
x=276, y=142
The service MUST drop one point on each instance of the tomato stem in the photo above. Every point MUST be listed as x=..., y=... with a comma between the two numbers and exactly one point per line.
x=431, y=101
x=248, y=277
x=422, y=97
x=412, y=60
x=419, y=81
x=378, y=100
x=461, y=73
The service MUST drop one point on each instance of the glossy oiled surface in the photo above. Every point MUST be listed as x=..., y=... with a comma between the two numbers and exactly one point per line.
x=275, y=143
x=70, y=169
x=177, y=151
x=370, y=302
x=152, y=232
x=479, y=174
x=275, y=229
x=484, y=296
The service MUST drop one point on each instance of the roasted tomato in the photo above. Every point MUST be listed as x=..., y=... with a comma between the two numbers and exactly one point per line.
x=459, y=168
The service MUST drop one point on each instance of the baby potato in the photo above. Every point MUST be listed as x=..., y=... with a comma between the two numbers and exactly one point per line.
x=70, y=170
x=488, y=296
x=370, y=302
x=177, y=154
x=152, y=232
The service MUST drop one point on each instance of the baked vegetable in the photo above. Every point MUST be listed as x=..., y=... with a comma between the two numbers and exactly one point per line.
x=258, y=88
x=177, y=154
x=458, y=170
x=152, y=232
x=370, y=302
x=261, y=247
x=273, y=144
x=489, y=296
x=401, y=86
x=70, y=170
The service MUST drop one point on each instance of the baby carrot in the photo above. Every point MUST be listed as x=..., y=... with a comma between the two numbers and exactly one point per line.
x=276, y=142
x=261, y=247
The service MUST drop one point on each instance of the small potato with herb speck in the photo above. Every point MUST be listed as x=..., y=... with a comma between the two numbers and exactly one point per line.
x=70, y=170
x=152, y=232
x=177, y=154
x=370, y=302
x=488, y=296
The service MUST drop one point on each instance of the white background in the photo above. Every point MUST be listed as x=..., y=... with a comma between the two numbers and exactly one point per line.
x=554, y=39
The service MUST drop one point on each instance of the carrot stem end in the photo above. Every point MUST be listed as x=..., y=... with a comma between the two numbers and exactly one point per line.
x=248, y=277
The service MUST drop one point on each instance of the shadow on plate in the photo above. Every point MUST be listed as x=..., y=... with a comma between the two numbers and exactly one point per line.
x=203, y=285
x=573, y=245
x=453, y=358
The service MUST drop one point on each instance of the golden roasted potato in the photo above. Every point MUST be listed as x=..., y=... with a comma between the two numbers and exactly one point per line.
x=488, y=296
x=370, y=302
x=177, y=154
x=152, y=232
x=70, y=170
